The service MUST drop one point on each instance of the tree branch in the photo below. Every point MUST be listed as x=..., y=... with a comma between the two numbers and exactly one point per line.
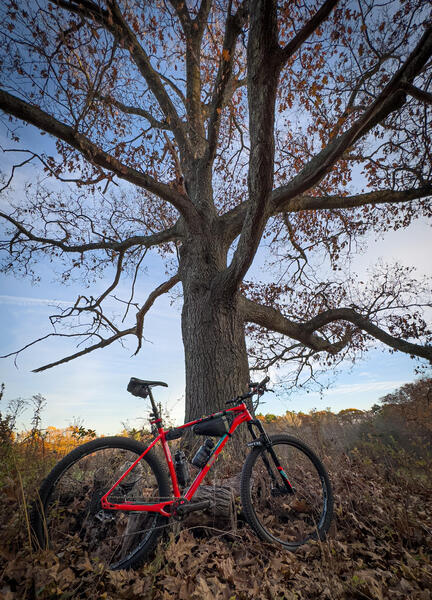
x=231, y=223
x=349, y=314
x=415, y=92
x=272, y=319
x=136, y=330
x=142, y=61
x=263, y=76
x=390, y=99
x=48, y=167
x=159, y=291
x=35, y=116
x=133, y=110
x=183, y=14
x=114, y=22
x=41, y=339
x=233, y=28
x=162, y=237
x=306, y=31
x=203, y=13
x=305, y=202
x=102, y=344
x=193, y=30
x=111, y=287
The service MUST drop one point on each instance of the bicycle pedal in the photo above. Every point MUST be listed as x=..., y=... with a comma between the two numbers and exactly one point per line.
x=104, y=517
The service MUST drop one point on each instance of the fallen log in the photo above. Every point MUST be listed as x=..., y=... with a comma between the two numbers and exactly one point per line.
x=222, y=512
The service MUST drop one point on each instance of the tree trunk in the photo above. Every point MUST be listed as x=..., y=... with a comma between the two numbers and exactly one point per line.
x=213, y=333
x=215, y=354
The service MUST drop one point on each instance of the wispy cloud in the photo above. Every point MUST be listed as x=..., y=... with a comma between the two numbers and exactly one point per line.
x=370, y=386
x=164, y=312
x=28, y=301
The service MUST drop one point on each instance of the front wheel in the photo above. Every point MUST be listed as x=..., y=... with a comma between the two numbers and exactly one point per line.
x=68, y=512
x=286, y=493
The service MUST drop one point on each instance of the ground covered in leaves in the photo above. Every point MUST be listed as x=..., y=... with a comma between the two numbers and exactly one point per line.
x=380, y=543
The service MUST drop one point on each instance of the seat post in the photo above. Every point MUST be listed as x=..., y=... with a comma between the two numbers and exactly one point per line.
x=153, y=403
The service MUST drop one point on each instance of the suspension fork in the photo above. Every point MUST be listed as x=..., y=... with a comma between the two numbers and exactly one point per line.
x=264, y=441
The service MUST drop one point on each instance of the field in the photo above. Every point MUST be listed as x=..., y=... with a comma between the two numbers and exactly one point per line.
x=380, y=542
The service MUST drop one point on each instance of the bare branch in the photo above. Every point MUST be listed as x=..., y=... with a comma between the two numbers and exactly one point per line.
x=114, y=284
x=168, y=235
x=177, y=166
x=133, y=110
x=273, y=320
x=173, y=86
x=49, y=168
x=41, y=339
x=95, y=155
x=99, y=319
x=159, y=291
x=17, y=166
x=102, y=344
x=307, y=30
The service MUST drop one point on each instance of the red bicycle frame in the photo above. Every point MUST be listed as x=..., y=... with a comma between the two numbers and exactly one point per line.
x=242, y=416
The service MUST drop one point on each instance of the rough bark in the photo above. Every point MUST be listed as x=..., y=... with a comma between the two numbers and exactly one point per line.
x=216, y=360
x=222, y=512
x=215, y=351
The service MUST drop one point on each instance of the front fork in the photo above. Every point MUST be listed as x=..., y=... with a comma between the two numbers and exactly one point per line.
x=264, y=441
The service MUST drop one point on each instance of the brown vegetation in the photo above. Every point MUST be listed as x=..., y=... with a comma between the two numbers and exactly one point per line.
x=379, y=545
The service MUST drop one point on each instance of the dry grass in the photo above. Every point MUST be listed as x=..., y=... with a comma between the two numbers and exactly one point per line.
x=380, y=543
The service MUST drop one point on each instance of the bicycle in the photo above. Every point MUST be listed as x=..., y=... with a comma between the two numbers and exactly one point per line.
x=113, y=496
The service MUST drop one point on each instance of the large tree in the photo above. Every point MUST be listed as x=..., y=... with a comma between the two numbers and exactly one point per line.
x=207, y=129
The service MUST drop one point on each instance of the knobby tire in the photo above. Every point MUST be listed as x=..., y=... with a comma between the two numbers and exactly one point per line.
x=277, y=516
x=67, y=511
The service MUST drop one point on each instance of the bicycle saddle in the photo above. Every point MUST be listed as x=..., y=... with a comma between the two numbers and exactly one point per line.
x=139, y=387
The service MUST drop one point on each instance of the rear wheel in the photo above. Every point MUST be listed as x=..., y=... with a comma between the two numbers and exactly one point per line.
x=291, y=513
x=68, y=510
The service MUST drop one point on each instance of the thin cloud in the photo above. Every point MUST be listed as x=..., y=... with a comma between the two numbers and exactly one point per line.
x=372, y=386
x=170, y=313
x=28, y=301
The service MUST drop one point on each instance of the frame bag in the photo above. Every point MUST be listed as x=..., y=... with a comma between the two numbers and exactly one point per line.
x=214, y=427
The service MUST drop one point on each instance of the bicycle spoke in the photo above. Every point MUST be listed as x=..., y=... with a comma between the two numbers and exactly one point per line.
x=287, y=514
x=72, y=511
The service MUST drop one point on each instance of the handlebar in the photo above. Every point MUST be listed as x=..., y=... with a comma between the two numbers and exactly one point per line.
x=255, y=388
